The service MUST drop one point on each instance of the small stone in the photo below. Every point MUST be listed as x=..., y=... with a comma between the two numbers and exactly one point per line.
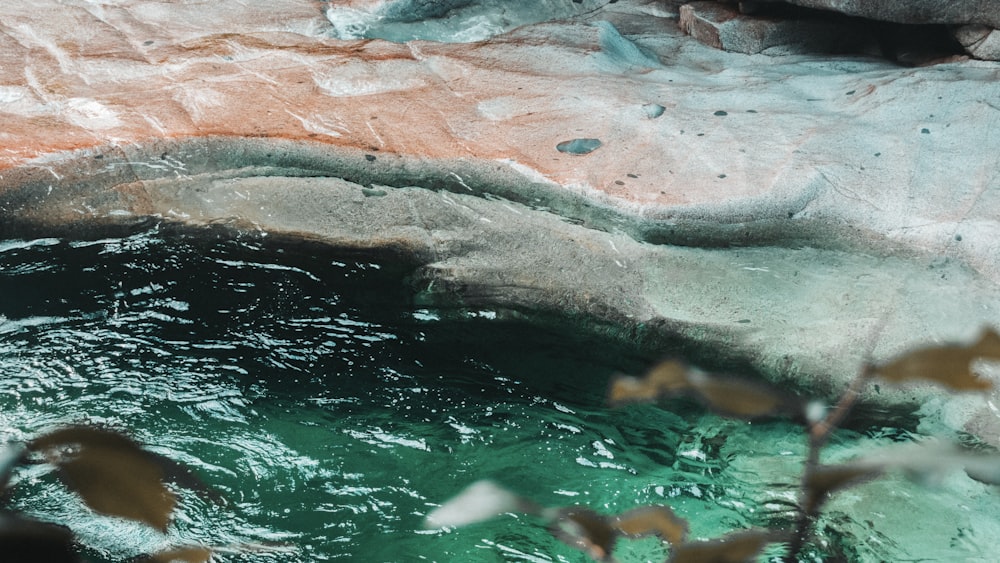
x=373, y=192
x=579, y=146
x=653, y=110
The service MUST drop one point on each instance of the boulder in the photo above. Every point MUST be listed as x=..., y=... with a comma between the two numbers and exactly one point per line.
x=985, y=12
x=980, y=41
x=724, y=27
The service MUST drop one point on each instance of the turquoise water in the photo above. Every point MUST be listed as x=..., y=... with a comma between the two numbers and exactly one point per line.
x=332, y=413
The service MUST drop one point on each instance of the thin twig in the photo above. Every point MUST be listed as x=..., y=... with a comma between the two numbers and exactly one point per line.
x=819, y=435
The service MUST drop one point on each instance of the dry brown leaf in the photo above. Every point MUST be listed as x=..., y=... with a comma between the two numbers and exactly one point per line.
x=742, y=399
x=652, y=520
x=822, y=480
x=585, y=530
x=727, y=396
x=110, y=472
x=949, y=365
x=738, y=547
x=668, y=377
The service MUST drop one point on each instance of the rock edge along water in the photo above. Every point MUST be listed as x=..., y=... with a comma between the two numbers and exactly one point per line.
x=802, y=315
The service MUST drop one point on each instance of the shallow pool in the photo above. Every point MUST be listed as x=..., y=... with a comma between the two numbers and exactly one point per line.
x=333, y=413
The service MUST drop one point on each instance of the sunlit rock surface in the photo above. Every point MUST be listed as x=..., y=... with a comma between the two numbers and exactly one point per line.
x=798, y=213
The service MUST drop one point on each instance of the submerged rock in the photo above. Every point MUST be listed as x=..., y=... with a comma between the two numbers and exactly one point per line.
x=579, y=146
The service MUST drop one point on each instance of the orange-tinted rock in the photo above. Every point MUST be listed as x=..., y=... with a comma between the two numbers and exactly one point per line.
x=755, y=147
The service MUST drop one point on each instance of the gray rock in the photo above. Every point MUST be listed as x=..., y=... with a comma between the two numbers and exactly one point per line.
x=722, y=26
x=980, y=41
x=913, y=11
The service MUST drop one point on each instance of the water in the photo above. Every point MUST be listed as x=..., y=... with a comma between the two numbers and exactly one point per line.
x=333, y=413
x=475, y=21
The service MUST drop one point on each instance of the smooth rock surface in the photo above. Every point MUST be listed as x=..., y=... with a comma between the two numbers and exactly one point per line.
x=980, y=41
x=796, y=214
x=985, y=12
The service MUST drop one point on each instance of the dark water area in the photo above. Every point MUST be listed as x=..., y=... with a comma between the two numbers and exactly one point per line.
x=332, y=413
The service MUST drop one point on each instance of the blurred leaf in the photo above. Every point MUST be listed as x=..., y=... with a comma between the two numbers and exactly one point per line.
x=652, y=520
x=181, y=475
x=983, y=468
x=186, y=554
x=10, y=457
x=23, y=540
x=950, y=365
x=822, y=480
x=669, y=377
x=930, y=461
x=478, y=502
x=727, y=396
x=578, y=527
x=585, y=530
x=111, y=473
x=925, y=462
x=738, y=547
x=742, y=399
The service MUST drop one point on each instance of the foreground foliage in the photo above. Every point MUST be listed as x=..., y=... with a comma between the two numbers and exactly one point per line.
x=950, y=366
x=114, y=476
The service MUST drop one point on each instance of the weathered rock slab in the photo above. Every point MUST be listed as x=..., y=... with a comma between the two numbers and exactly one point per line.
x=724, y=27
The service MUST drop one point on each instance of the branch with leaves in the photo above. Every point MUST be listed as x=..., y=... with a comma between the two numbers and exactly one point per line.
x=951, y=366
x=114, y=476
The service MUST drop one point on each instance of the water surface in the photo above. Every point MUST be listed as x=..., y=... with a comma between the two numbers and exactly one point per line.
x=332, y=413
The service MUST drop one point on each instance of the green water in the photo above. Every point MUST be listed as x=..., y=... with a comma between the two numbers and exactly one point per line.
x=333, y=414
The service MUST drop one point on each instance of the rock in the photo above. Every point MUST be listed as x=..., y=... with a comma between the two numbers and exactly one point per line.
x=986, y=12
x=980, y=41
x=579, y=146
x=789, y=30
x=406, y=10
x=459, y=21
x=724, y=27
x=796, y=214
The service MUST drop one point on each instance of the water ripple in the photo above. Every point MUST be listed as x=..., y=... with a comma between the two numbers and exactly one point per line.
x=332, y=414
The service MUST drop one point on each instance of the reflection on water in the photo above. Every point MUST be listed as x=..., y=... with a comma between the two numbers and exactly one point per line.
x=333, y=414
